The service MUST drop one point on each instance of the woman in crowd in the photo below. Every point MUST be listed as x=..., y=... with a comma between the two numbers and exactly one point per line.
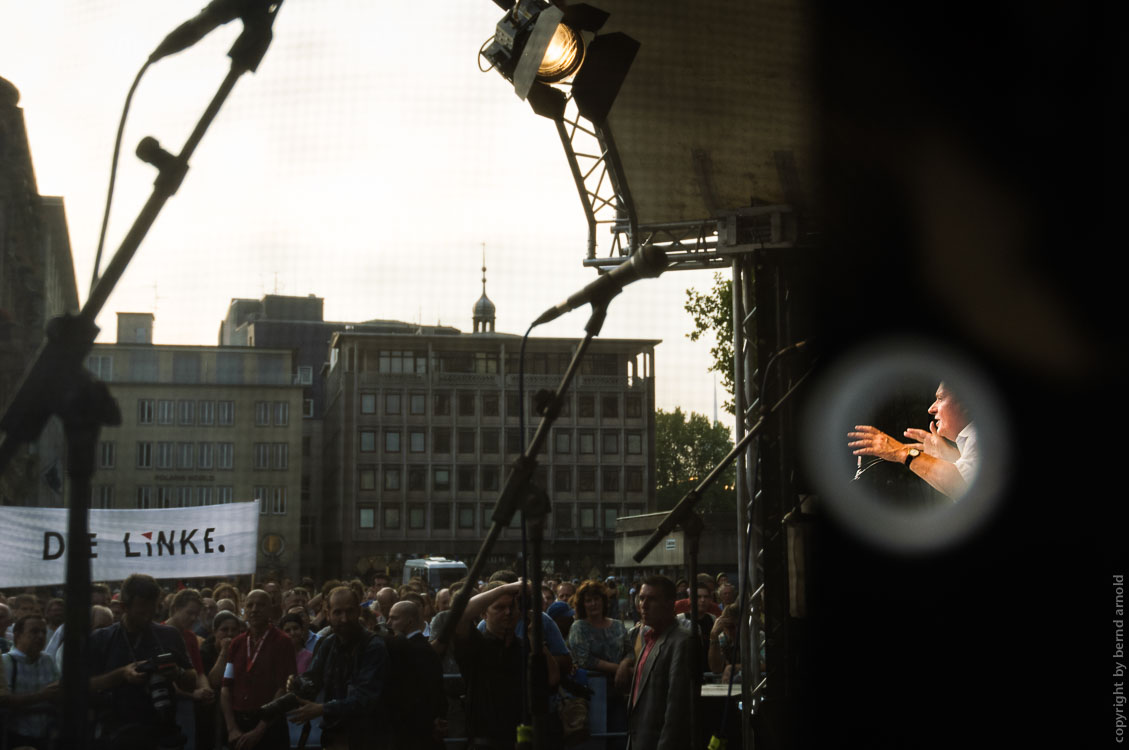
x=213, y=655
x=597, y=642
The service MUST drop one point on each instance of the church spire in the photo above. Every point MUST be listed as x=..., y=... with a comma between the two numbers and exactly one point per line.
x=484, y=310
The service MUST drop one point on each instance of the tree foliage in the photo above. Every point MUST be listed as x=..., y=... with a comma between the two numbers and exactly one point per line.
x=713, y=316
x=686, y=449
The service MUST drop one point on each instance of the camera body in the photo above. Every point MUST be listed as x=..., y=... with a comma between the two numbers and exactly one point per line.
x=162, y=670
x=284, y=704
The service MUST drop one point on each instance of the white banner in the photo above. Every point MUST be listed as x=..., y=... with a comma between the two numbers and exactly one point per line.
x=213, y=540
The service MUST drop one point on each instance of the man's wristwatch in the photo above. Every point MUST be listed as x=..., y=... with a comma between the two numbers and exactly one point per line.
x=913, y=453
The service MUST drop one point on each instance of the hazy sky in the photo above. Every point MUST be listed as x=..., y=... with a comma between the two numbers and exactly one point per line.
x=366, y=162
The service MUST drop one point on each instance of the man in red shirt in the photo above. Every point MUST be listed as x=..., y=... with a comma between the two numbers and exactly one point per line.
x=258, y=665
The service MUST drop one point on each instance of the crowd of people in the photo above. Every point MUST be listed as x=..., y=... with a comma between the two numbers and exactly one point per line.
x=353, y=665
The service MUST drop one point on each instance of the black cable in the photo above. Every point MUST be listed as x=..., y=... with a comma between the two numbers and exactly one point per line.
x=113, y=175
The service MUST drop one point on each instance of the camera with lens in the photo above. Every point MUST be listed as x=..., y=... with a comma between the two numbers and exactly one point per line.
x=162, y=670
x=284, y=704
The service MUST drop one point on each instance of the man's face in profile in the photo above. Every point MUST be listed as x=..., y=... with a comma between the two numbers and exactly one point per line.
x=949, y=416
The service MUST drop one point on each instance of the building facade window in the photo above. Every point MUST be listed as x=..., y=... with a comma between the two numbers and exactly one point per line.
x=262, y=456
x=466, y=404
x=442, y=405
x=609, y=407
x=562, y=441
x=262, y=413
x=225, y=458
x=164, y=497
x=145, y=455
x=609, y=479
x=586, y=442
x=441, y=478
x=391, y=516
x=513, y=441
x=634, y=442
x=441, y=516
x=417, y=517
x=280, y=456
x=562, y=480
x=305, y=375
x=490, y=405
x=392, y=478
x=490, y=439
x=440, y=440
x=610, y=514
x=587, y=517
x=633, y=478
x=396, y=362
x=417, y=441
x=586, y=478
x=368, y=403
x=206, y=412
x=186, y=412
x=282, y=413
x=278, y=501
x=260, y=496
x=467, y=478
x=166, y=411
x=225, y=495
x=417, y=404
x=392, y=403
x=391, y=441
x=417, y=478
x=101, y=366
x=144, y=497
x=610, y=442
x=633, y=406
x=308, y=408
x=102, y=496
x=466, y=516
x=586, y=406
x=490, y=476
x=145, y=411
x=562, y=516
x=367, y=517
x=466, y=441
x=165, y=456
x=368, y=441
x=185, y=455
x=203, y=495
x=106, y=454
x=225, y=413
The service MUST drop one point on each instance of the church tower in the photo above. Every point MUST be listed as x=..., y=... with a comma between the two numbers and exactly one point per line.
x=484, y=309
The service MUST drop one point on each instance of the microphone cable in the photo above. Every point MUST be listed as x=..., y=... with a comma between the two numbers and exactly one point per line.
x=113, y=174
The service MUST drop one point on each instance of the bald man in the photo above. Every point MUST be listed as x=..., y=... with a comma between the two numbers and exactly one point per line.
x=258, y=664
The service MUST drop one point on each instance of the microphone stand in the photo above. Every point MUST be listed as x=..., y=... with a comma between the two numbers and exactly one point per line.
x=684, y=515
x=56, y=383
x=519, y=493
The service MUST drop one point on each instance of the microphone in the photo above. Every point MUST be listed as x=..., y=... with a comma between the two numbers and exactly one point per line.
x=647, y=262
x=217, y=13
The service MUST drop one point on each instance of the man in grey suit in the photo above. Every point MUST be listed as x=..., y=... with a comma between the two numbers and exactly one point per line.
x=661, y=689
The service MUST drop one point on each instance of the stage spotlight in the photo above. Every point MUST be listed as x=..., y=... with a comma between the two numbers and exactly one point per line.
x=537, y=43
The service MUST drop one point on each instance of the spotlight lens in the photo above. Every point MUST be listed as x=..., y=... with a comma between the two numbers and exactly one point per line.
x=563, y=57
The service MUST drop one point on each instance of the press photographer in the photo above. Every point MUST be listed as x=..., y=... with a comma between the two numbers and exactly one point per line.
x=134, y=664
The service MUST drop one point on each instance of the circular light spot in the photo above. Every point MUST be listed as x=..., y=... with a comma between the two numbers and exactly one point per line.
x=899, y=512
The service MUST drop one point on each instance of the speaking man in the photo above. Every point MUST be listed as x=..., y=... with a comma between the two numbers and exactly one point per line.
x=946, y=457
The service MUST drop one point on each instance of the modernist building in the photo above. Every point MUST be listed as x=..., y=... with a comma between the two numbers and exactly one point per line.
x=420, y=428
x=36, y=284
x=203, y=425
x=298, y=324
